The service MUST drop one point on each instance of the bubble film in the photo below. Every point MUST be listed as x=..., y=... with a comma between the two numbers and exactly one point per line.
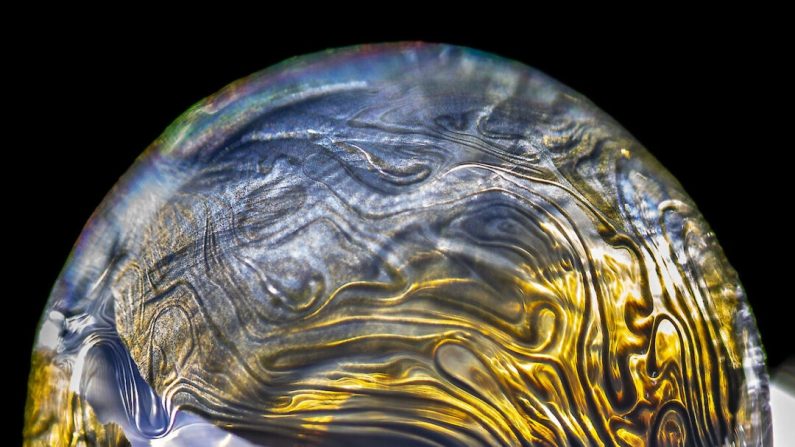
x=397, y=245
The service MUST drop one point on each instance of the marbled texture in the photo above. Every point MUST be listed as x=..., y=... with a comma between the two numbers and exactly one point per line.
x=397, y=245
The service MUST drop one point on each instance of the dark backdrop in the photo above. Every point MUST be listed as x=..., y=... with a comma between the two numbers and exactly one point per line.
x=702, y=100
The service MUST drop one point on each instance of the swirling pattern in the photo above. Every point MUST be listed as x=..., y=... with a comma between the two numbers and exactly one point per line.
x=408, y=245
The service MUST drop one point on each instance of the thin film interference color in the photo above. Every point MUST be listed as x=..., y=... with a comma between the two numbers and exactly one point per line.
x=397, y=245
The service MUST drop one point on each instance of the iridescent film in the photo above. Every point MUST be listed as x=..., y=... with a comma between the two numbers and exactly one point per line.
x=397, y=245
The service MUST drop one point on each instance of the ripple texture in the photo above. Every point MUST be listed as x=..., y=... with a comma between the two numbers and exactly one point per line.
x=397, y=245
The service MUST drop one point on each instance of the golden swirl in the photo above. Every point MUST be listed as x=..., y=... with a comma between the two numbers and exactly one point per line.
x=415, y=246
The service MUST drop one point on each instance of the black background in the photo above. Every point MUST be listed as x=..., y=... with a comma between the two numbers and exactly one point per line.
x=704, y=100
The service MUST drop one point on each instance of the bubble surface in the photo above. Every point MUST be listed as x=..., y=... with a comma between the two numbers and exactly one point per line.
x=397, y=245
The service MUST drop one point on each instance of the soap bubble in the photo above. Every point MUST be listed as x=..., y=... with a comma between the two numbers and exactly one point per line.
x=397, y=245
